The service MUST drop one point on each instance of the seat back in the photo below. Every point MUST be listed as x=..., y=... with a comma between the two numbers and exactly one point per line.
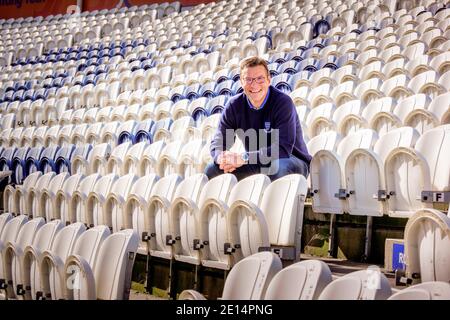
x=214, y=226
x=48, y=195
x=249, y=278
x=368, y=284
x=427, y=228
x=182, y=217
x=409, y=173
x=437, y=290
x=115, y=201
x=304, y=280
x=148, y=162
x=50, y=268
x=43, y=241
x=63, y=196
x=113, y=266
x=13, y=270
x=77, y=202
x=87, y=246
x=9, y=234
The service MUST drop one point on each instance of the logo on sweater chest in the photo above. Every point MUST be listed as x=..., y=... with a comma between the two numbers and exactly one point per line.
x=267, y=127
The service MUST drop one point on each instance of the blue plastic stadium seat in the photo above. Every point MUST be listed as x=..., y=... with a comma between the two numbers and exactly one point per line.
x=321, y=27
x=279, y=57
x=58, y=82
x=308, y=65
x=208, y=90
x=281, y=82
x=192, y=92
x=289, y=67
x=40, y=94
x=62, y=57
x=144, y=131
x=235, y=74
x=18, y=95
x=177, y=93
x=8, y=96
x=225, y=88
x=47, y=160
x=328, y=62
x=127, y=135
x=273, y=69
x=237, y=87
x=62, y=159
x=18, y=165
x=32, y=160
x=47, y=83
x=28, y=95
x=6, y=159
x=216, y=105
x=90, y=79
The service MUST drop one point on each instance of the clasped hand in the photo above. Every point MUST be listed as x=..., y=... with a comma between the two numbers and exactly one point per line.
x=229, y=161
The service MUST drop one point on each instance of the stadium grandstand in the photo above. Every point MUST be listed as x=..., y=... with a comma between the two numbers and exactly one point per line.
x=106, y=121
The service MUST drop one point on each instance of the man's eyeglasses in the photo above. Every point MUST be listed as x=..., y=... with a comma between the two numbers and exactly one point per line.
x=258, y=80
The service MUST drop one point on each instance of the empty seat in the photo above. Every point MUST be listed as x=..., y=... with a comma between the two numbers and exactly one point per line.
x=108, y=277
x=110, y=133
x=93, y=209
x=364, y=172
x=77, y=203
x=14, y=198
x=257, y=227
x=168, y=159
x=116, y=159
x=127, y=132
x=214, y=229
x=248, y=280
x=63, y=159
x=327, y=172
x=63, y=196
x=436, y=290
x=413, y=175
x=18, y=165
x=13, y=257
x=189, y=161
x=87, y=246
x=425, y=229
x=31, y=204
x=304, y=280
x=31, y=282
x=9, y=234
x=48, y=158
x=47, y=196
x=51, y=264
x=144, y=131
x=97, y=161
x=149, y=160
x=368, y=284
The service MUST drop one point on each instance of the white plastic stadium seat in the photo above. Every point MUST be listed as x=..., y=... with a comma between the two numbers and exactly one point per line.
x=436, y=290
x=109, y=276
x=304, y=280
x=368, y=284
x=427, y=228
x=248, y=280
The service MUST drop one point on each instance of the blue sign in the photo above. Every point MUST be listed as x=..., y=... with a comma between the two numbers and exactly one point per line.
x=398, y=256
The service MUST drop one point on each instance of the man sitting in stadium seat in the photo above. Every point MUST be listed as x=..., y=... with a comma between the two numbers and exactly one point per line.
x=266, y=121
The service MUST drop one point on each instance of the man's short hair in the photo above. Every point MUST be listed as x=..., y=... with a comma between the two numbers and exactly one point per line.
x=254, y=62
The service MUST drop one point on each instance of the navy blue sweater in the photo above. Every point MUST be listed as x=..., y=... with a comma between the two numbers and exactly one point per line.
x=277, y=113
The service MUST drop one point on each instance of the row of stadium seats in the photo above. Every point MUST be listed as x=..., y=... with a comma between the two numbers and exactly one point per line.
x=312, y=280
x=42, y=260
x=192, y=220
